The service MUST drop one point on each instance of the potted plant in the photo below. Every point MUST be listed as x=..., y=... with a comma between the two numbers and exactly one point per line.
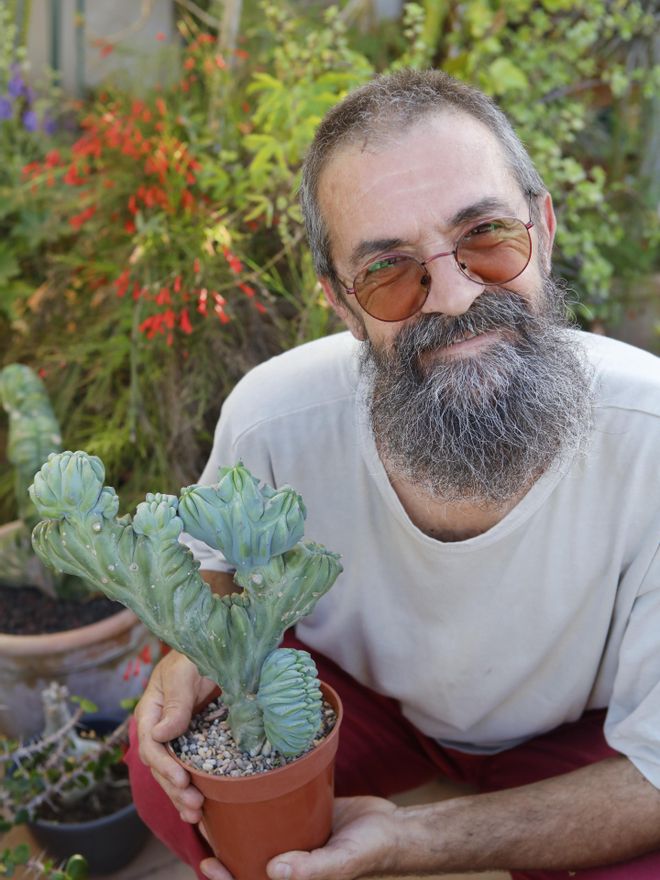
x=53, y=627
x=72, y=868
x=274, y=705
x=69, y=784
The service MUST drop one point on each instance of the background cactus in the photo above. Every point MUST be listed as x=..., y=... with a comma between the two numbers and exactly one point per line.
x=270, y=693
x=34, y=433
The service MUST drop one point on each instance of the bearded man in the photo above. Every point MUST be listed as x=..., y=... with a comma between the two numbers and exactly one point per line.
x=490, y=478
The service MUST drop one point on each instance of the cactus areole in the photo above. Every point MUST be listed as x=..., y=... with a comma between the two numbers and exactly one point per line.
x=271, y=693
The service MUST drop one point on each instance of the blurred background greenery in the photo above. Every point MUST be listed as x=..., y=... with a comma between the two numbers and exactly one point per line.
x=151, y=248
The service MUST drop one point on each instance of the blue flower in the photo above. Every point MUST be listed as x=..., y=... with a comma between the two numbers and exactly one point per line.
x=30, y=120
x=49, y=126
x=6, y=109
x=17, y=86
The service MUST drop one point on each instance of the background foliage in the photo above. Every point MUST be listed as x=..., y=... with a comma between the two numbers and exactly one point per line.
x=152, y=245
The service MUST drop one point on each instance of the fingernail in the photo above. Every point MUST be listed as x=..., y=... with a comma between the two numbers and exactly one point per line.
x=208, y=870
x=280, y=871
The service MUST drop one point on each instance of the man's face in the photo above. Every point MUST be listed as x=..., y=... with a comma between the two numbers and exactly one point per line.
x=420, y=193
x=474, y=396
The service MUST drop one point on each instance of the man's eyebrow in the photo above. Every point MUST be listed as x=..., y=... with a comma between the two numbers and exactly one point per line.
x=489, y=205
x=368, y=247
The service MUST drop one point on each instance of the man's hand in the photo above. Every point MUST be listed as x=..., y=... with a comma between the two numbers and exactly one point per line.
x=363, y=841
x=163, y=713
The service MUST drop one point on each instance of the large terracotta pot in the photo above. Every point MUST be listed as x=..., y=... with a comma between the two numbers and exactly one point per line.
x=253, y=818
x=105, y=662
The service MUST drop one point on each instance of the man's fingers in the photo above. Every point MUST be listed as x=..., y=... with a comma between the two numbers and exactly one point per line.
x=187, y=800
x=212, y=869
x=175, y=716
x=327, y=863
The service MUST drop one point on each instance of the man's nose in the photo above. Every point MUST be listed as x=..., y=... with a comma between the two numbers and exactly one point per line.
x=451, y=293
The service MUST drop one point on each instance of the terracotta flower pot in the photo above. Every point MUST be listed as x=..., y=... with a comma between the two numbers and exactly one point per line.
x=98, y=661
x=106, y=662
x=253, y=818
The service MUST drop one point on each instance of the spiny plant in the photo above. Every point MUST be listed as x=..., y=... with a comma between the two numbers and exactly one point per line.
x=272, y=694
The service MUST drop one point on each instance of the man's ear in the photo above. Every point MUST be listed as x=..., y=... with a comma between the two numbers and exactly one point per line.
x=339, y=305
x=547, y=231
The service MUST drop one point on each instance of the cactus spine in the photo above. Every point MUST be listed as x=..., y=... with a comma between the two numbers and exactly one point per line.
x=270, y=693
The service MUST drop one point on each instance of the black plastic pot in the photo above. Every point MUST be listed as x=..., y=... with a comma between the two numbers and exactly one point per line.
x=108, y=843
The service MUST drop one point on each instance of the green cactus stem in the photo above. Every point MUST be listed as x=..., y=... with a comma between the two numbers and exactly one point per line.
x=34, y=434
x=270, y=693
x=33, y=430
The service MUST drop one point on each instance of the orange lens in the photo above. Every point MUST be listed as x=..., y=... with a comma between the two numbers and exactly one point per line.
x=495, y=252
x=392, y=289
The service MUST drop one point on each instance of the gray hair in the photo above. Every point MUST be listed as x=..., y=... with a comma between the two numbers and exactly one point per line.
x=383, y=107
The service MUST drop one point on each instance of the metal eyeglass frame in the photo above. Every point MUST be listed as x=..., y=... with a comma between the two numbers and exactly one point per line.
x=424, y=263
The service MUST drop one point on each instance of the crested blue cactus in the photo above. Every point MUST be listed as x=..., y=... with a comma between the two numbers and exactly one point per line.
x=272, y=694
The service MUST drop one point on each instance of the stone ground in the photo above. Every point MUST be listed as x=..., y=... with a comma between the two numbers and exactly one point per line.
x=155, y=862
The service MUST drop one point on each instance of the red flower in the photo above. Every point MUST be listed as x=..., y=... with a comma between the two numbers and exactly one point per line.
x=78, y=219
x=52, y=159
x=201, y=302
x=220, y=62
x=196, y=265
x=160, y=106
x=234, y=263
x=189, y=63
x=241, y=53
x=72, y=178
x=260, y=307
x=121, y=283
x=31, y=169
x=247, y=290
x=163, y=297
x=177, y=284
x=160, y=36
x=184, y=322
x=130, y=227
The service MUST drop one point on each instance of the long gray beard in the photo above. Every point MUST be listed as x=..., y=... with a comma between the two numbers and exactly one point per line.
x=480, y=428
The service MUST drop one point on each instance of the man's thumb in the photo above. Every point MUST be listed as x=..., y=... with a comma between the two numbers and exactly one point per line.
x=174, y=720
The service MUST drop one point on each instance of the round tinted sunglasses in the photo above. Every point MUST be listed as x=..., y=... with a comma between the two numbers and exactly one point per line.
x=396, y=286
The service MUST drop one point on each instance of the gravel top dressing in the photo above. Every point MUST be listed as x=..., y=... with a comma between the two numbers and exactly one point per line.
x=209, y=746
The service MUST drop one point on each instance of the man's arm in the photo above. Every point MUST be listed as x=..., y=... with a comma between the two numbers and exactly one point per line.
x=600, y=814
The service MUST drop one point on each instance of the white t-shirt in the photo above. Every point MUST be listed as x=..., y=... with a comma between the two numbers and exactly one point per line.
x=492, y=640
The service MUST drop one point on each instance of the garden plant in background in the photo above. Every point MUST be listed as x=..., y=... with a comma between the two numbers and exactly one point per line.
x=31, y=129
x=50, y=624
x=65, y=783
x=176, y=258
x=272, y=696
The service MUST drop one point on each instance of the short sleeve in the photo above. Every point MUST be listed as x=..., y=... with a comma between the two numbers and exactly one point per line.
x=632, y=725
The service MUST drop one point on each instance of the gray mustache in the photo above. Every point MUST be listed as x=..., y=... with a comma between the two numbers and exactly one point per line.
x=490, y=311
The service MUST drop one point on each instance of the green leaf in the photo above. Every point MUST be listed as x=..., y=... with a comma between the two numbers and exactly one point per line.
x=505, y=76
x=86, y=705
x=77, y=868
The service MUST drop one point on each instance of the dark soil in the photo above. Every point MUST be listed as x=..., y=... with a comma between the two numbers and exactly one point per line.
x=104, y=800
x=26, y=611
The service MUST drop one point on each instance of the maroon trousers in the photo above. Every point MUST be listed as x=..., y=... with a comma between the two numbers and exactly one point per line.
x=380, y=753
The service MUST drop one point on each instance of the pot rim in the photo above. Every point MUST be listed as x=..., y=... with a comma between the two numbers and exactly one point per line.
x=68, y=639
x=65, y=639
x=53, y=824
x=327, y=743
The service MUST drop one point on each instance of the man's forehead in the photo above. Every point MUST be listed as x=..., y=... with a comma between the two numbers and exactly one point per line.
x=447, y=169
